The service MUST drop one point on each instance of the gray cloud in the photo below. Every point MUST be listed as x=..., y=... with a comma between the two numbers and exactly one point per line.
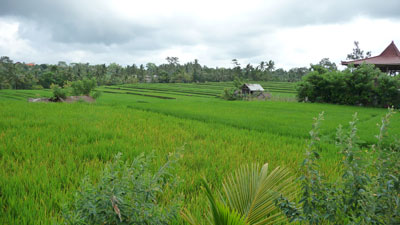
x=92, y=27
x=73, y=21
x=91, y=21
x=310, y=12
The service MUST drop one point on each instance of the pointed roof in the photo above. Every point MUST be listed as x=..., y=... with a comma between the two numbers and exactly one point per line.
x=390, y=56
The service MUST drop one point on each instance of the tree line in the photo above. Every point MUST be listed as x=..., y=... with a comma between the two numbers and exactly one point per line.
x=16, y=75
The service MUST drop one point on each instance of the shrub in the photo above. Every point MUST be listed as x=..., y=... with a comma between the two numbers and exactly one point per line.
x=58, y=92
x=77, y=87
x=83, y=87
x=127, y=193
x=88, y=85
x=361, y=85
x=388, y=91
x=230, y=94
x=369, y=191
x=37, y=87
x=96, y=94
x=364, y=85
x=5, y=86
x=234, y=93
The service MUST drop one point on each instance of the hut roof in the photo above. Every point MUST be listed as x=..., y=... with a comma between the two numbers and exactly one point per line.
x=254, y=87
x=390, y=56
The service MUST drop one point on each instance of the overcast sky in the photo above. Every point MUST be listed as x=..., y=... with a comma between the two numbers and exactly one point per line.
x=291, y=33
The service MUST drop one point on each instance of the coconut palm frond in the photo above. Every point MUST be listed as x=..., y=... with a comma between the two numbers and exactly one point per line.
x=222, y=214
x=252, y=191
x=248, y=197
x=219, y=214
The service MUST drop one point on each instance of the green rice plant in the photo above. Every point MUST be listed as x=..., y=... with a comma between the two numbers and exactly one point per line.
x=127, y=193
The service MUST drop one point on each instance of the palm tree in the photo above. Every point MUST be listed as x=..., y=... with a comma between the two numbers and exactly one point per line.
x=248, y=197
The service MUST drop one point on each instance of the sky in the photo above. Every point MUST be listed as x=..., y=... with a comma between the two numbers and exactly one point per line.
x=292, y=33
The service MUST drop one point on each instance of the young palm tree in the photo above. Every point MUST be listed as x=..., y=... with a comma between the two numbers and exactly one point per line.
x=248, y=197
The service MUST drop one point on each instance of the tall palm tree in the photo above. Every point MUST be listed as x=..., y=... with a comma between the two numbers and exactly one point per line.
x=248, y=197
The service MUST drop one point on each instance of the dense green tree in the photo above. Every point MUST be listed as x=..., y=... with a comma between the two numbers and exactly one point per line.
x=172, y=60
x=7, y=73
x=270, y=66
x=163, y=78
x=327, y=64
x=237, y=71
x=197, y=71
x=358, y=53
x=46, y=79
x=364, y=85
x=114, y=74
x=151, y=69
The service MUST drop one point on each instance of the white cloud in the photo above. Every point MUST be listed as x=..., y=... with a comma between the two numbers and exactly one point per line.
x=10, y=42
x=309, y=44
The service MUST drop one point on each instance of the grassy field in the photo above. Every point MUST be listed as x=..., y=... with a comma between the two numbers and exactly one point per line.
x=47, y=148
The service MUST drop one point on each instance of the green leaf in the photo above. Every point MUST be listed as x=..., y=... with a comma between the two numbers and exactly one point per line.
x=252, y=192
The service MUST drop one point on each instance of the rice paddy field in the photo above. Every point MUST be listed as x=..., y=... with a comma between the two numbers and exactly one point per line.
x=47, y=148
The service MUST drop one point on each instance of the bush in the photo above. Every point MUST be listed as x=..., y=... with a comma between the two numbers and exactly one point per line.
x=83, y=87
x=127, y=193
x=58, y=92
x=367, y=193
x=230, y=94
x=5, y=85
x=77, y=87
x=88, y=85
x=96, y=94
x=37, y=87
x=365, y=85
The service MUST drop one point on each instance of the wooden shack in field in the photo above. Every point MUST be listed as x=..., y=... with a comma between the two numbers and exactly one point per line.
x=251, y=89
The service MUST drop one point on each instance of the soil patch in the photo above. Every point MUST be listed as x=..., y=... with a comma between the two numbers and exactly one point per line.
x=68, y=99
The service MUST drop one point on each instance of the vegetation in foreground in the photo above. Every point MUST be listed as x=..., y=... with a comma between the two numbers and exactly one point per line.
x=368, y=191
x=127, y=193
